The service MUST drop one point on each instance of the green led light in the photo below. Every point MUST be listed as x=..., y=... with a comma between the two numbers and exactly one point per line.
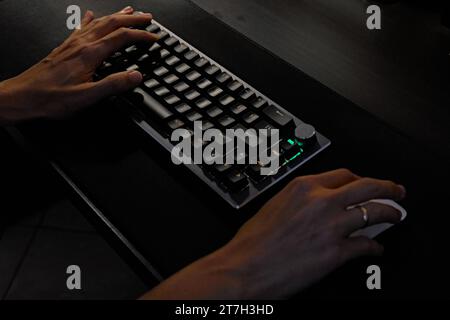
x=298, y=154
x=291, y=142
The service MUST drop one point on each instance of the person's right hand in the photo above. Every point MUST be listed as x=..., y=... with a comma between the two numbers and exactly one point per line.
x=302, y=234
x=296, y=239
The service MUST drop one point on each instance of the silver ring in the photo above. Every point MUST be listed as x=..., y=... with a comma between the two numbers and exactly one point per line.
x=365, y=213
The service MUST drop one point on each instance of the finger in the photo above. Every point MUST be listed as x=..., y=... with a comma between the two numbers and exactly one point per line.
x=113, y=22
x=126, y=10
x=358, y=247
x=114, y=84
x=106, y=46
x=336, y=178
x=365, y=189
x=88, y=17
x=353, y=220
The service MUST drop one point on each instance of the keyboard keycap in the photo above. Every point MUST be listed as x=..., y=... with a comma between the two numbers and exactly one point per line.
x=201, y=62
x=219, y=170
x=259, y=103
x=131, y=49
x=238, y=109
x=153, y=28
x=156, y=47
x=264, y=125
x=192, y=95
x=164, y=53
x=105, y=69
x=172, y=60
x=215, y=91
x=170, y=42
x=180, y=48
x=191, y=55
x=226, y=121
x=247, y=94
x=223, y=78
x=235, y=181
x=175, y=124
x=254, y=172
x=239, y=126
x=152, y=106
x=161, y=71
x=162, y=35
x=182, y=108
x=193, y=75
x=194, y=116
x=203, y=103
x=212, y=70
x=207, y=125
x=226, y=100
x=250, y=117
x=181, y=86
x=143, y=58
x=161, y=91
x=133, y=67
x=150, y=84
x=172, y=99
x=235, y=85
x=279, y=118
x=289, y=148
x=171, y=79
x=214, y=112
x=203, y=84
x=183, y=68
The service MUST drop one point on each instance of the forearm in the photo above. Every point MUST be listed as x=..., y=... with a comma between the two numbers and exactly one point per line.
x=214, y=277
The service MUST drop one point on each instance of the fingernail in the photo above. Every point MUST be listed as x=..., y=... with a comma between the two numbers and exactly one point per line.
x=143, y=13
x=135, y=76
x=127, y=9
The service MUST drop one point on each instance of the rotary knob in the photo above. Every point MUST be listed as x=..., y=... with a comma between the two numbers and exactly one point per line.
x=306, y=133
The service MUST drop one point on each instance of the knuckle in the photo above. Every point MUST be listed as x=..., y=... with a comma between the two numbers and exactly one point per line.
x=372, y=185
x=125, y=32
x=345, y=171
x=86, y=50
x=302, y=184
x=98, y=20
x=113, y=20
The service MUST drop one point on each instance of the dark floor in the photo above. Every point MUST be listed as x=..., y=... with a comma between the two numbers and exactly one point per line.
x=42, y=233
x=35, y=253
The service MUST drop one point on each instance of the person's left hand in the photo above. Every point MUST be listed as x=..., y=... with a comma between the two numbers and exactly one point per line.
x=62, y=83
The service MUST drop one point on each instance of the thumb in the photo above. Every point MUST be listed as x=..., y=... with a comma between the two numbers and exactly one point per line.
x=115, y=84
x=93, y=92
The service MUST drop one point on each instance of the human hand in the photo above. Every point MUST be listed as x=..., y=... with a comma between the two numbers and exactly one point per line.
x=302, y=234
x=62, y=83
x=296, y=239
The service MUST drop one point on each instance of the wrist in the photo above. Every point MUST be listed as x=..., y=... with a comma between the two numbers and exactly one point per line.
x=229, y=271
x=7, y=107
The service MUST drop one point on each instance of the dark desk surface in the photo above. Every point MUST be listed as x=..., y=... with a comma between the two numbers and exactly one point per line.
x=400, y=74
x=132, y=182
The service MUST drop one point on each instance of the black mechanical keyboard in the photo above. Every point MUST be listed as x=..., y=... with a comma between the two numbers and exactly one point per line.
x=183, y=85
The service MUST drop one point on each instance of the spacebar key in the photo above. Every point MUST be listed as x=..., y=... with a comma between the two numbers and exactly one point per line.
x=152, y=106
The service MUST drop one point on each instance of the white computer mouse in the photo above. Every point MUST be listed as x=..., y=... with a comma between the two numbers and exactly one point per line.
x=373, y=231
